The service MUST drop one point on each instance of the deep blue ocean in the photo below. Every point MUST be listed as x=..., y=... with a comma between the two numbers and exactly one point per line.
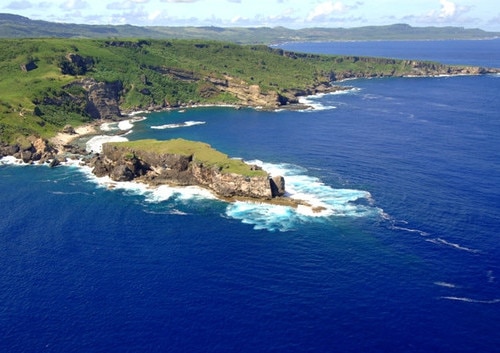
x=405, y=256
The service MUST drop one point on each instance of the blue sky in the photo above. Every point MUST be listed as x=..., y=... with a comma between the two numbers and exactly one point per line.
x=484, y=14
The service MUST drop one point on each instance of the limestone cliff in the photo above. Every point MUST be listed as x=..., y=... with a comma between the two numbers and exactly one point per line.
x=102, y=98
x=125, y=163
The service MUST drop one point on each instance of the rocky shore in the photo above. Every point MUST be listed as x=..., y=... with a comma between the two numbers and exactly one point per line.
x=123, y=163
x=149, y=167
x=103, y=105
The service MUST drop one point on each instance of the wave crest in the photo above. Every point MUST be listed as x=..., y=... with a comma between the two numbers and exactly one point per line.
x=178, y=125
x=322, y=201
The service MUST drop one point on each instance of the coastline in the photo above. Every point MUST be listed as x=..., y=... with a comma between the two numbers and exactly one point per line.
x=63, y=139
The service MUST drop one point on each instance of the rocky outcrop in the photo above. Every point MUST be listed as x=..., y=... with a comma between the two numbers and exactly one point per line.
x=31, y=150
x=125, y=164
x=74, y=64
x=29, y=66
x=277, y=186
x=102, y=98
x=251, y=95
x=230, y=184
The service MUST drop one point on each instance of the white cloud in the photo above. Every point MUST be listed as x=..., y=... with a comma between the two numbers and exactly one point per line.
x=74, y=5
x=448, y=9
x=449, y=13
x=326, y=8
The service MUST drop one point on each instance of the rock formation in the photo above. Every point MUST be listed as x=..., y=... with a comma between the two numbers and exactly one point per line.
x=32, y=149
x=124, y=164
x=102, y=98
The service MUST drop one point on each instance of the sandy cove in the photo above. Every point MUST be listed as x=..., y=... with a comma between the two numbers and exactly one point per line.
x=63, y=139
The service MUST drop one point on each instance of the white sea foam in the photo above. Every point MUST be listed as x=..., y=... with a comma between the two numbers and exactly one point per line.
x=314, y=101
x=174, y=126
x=490, y=276
x=440, y=241
x=322, y=201
x=96, y=142
x=410, y=230
x=471, y=300
x=125, y=125
x=151, y=194
x=313, y=104
x=445, y=284
x=180, y=193
x=11, y=160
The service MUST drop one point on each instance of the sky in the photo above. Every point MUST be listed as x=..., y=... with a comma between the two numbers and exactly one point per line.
x=484, y=14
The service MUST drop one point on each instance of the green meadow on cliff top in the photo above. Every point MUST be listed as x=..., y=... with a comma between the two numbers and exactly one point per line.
x=142, y=67
x=200, y=151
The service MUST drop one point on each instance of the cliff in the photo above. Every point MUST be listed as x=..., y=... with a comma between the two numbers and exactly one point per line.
x=182, y=162
x=55, y=82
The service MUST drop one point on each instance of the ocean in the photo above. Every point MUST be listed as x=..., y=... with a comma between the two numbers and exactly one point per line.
x=404, y=256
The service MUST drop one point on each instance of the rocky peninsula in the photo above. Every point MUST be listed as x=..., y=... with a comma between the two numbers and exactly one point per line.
x=184, y=163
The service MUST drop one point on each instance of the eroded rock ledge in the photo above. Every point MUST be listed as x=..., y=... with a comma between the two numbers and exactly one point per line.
x=182, y=162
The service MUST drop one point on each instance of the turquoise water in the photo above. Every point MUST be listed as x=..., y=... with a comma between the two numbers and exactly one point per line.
x=404, y=257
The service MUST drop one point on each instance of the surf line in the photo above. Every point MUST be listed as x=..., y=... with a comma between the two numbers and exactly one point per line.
x=440, y=241
x=470, y=300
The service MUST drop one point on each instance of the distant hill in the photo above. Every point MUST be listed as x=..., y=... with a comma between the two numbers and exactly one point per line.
x=14, y=26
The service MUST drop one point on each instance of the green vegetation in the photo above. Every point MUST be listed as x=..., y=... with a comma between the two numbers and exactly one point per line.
x=38, y=95
x=13, y=26
x=201, y=152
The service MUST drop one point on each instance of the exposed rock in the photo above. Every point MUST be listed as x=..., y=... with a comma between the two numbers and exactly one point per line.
x=277, y=186
x=26, y=156
x=100, y=167
x=8, y=150
x=29, y=66
x=121, y=173
x=102, y=99
x=54, y=163
x=31, y=149
x=75, y=64
x=231, y=185
x=68, y=129
x=124, y=164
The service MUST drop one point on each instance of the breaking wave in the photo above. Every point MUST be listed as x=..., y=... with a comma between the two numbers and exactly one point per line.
x=321, y=202
x=95, y=143
x=314, y=102
x=440, y=241
x=123, y=125
x=471, y=300
x=11, y=160
x=175, y=126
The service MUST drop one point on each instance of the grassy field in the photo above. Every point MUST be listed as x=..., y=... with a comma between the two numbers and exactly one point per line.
x=40, y=102
x=200, y=151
